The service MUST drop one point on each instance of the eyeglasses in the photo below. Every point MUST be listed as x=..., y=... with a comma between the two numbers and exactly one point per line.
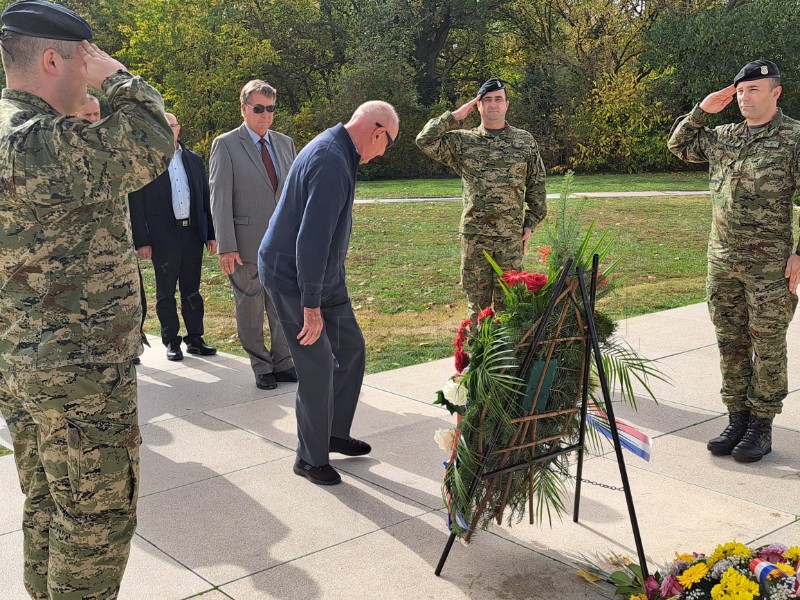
x=260, y=108
x=389, y=140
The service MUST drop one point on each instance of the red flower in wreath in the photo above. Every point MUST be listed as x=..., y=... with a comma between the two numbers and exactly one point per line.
x=462, y=360
x=601, y=280
x=461, y=336
x=486, y=312
x=533, y=281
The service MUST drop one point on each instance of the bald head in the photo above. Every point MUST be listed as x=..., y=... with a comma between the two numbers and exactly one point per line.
x=373, y=127
x=377, y=110
x=89, y=110
x=176, y=127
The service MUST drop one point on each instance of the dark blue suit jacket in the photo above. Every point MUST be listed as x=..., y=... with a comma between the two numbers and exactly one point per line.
x=152, y=217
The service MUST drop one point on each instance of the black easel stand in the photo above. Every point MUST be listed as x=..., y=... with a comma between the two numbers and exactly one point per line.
x=592, y=348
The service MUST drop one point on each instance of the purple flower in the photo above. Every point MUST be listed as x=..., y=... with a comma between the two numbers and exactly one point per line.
x=651, y=588
x=679, y=567
x=773, y=553
x=670, y=587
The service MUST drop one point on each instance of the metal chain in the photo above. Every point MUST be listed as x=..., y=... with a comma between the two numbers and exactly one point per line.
x=602, y=485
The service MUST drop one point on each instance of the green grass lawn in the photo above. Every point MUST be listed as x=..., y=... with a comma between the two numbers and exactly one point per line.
x=433, y=188
x=403, y=271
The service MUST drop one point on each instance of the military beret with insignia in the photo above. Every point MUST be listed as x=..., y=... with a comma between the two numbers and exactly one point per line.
x=492, y=85
x=758, y=69
x=37, y=18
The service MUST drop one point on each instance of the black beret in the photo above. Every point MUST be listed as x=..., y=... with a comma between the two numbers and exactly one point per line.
x=37, y=18
x=758, y=69
x=492, y=85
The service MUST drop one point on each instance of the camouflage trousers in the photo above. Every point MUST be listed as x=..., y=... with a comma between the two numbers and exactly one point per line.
x=477, y=276
x=76, y=444
x=751, y=308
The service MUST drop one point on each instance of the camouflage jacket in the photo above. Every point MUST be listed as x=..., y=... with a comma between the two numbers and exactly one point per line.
x=502, y=176
x=752, y=180
x=69, y=287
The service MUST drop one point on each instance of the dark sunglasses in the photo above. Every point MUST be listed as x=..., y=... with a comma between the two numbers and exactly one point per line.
x=260, y=108
x=390, y=141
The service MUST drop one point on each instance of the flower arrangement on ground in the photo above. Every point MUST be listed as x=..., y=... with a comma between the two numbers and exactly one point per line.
x=732, y=571
x=510, y=409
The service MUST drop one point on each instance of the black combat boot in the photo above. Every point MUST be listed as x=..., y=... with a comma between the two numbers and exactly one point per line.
x=733, y=434
x=757, y=441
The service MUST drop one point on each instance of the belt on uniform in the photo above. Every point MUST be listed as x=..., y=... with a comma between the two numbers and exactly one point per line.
x=183, y=222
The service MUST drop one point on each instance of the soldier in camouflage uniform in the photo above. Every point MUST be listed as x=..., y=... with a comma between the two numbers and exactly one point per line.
x=69, y=306
x=503, y=182
x=753, y=271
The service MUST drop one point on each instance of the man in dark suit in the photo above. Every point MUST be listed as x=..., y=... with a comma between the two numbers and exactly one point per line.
x=248, y=166
x=171, y=222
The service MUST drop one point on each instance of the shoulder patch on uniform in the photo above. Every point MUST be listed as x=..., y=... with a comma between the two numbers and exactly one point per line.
x=772, y=144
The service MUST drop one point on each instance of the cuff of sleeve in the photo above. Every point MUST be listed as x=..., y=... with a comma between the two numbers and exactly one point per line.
x=115, y=78
x=698, y=115
x=310, y=299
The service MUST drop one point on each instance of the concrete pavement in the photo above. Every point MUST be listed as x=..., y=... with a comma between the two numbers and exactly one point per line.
x=221, y=515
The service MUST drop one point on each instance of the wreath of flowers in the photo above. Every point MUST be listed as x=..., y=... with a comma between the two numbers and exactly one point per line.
x=487, y=392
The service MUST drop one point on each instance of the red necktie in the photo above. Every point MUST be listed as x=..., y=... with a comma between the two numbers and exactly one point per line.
x=267, y=160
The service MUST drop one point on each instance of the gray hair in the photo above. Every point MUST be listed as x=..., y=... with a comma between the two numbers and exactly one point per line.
x=256, y=86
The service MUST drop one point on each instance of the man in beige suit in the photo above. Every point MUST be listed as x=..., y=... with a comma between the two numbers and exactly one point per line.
x=247, y=169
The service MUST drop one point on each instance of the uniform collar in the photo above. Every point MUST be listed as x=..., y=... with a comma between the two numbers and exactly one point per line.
x=28, y=98
x=770, y=127
x=486, y=133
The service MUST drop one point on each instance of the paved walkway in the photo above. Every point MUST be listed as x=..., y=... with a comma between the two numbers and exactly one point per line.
x=644, y=194
x=222, y=515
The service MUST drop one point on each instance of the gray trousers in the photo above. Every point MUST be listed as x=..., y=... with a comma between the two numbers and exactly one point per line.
x=329, y=371
x=251, y=302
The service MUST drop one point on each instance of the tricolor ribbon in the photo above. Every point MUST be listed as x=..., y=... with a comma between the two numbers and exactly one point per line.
x=763, y=570
x=630, y=438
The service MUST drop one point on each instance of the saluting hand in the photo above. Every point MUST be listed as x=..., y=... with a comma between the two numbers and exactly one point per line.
x=462, y=111
x=716, y=101
x=97, y=65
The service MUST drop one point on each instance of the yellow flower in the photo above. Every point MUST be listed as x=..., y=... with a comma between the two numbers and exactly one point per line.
x=790, y=572
x=638, y=597
x=734, y=586
x=792, y=553
x=685, y=557
x=693, y=574
x=728, y=550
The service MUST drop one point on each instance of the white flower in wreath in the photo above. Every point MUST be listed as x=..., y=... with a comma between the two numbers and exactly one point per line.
x=455, y=393
x=445, y=439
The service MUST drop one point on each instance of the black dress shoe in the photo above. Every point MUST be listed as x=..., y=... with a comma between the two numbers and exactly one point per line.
x=174, y=351
x=324, y=475
x=196, y=345
x=724, y=444
x=266, y=381
x=287, y=376
x=349, y=446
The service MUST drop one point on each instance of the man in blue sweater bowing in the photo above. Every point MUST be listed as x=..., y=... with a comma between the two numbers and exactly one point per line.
x=301, y=265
